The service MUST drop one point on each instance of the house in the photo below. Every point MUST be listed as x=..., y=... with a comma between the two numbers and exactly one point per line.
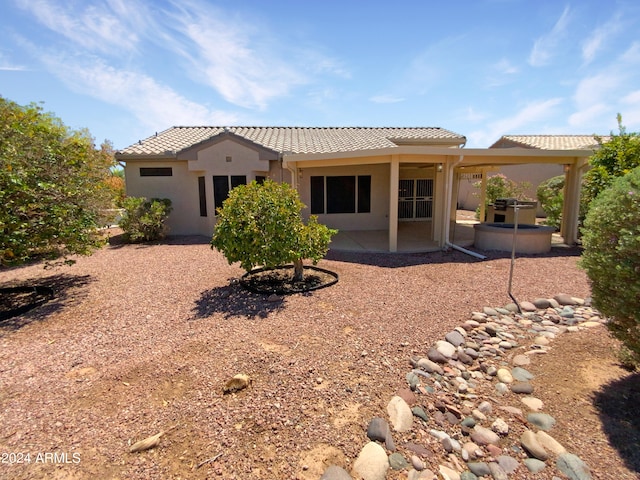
x=368, y=181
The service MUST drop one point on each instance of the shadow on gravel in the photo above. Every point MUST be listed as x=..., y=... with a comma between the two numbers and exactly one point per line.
x=617, y=404
x=19, y=308
x=235, y=301
x=399, y=260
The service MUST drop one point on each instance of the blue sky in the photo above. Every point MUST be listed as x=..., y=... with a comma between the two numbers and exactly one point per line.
x=125, y=69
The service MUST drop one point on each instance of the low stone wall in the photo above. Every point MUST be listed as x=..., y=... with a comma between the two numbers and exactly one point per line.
x=499, y=236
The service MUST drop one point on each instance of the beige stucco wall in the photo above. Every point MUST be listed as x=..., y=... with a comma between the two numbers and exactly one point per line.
x=182, y=187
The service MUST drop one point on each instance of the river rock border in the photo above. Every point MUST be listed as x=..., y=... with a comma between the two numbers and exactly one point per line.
x=469, y=409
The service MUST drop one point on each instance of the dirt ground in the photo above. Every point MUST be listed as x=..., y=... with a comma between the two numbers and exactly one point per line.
x=141, y=339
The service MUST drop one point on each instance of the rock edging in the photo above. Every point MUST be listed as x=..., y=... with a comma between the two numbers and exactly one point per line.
x=469, y=408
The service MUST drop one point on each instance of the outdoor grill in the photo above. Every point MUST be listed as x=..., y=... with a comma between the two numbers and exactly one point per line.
x=502, y=211
x=501, y=204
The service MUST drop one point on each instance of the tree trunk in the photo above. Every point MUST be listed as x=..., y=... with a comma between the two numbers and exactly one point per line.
x=298, y=270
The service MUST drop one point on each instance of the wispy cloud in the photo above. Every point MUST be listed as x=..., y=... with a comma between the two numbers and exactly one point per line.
x=528, y=116
x=544, y=46
x=153, y=104
x=234, y=57
x=6, y=65
x=502, y=73
x=598, y=38
x=99, y=27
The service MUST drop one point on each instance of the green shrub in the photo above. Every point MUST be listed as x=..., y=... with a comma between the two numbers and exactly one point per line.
x=144, y=219
x=550, y=194
x=611, y=258
x=261, y=225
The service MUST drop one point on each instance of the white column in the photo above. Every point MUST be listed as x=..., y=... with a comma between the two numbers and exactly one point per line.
x=571, y=206
x=394, y=179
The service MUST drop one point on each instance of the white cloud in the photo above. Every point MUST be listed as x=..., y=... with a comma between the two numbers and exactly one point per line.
x=240, y=60
x=544, y=46
x=528, y=116
x=600, y=35
x=502, y=73
x=592, y=90
x=153, y=104
x=6, y=65
x=94, y=27
x=631, y=98
x=587, y=115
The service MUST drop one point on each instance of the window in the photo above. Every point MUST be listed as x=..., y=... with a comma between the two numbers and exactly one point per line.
x=260, y=179
x=203, y=197
x=222, y=185
x=156, y=171
x=341, y=194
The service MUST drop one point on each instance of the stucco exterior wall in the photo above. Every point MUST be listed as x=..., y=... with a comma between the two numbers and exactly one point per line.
x=181, y=188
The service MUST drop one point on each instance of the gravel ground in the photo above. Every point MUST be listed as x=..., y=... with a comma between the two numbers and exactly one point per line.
x=142, y=339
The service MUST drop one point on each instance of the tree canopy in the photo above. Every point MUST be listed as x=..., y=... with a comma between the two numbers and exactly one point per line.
x=614, y=158
x=53, y=185
x=260, y=225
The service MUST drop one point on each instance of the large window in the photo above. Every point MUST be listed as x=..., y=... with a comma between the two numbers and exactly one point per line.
x=222, y=185
x=341, y=194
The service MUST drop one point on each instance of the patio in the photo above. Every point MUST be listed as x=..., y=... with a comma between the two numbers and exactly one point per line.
x=413, y=237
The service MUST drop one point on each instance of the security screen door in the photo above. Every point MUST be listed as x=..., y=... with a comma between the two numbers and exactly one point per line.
x=415, y=199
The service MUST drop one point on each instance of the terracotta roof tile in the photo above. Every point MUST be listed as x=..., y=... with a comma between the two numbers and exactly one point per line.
x=295, y=139
x=549, y=142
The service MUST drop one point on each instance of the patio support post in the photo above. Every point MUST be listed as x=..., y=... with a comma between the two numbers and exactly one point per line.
x=483, y=195
x=571, y=207
x=394, y=179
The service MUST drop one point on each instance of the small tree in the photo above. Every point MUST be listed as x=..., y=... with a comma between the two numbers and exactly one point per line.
x=260, y=225
x=614, y=158
x=144, y=219
x=52, y=186
x=550, y=194
x=611, y=258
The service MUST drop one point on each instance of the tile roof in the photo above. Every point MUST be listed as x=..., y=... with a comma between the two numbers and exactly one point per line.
x=296, y=139
x=549, y=142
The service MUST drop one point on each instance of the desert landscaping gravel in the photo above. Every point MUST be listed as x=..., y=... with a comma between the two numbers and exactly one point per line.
x=141, y=339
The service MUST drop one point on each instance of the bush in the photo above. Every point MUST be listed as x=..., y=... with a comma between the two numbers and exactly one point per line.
x=144, y=219
x=550, y=194
x=611, y=238
x=260, y=225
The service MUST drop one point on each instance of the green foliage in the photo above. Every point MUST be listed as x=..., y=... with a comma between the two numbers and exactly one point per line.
x=52, y=186
x=260, y=225
x=611, y=258
x=614, y=158
x=550, y=194
x=144, y=220
x=499, y=186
